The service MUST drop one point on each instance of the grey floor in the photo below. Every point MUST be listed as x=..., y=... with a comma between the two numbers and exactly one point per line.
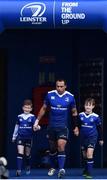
x=70, y=174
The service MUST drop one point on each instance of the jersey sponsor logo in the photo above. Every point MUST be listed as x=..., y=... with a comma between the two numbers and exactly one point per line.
x=82, y=118
x=52, y=97
x=20, y=119
x=58, y=108
x=25, y=127
x=67, y=99
x=91, y=120
x=59, y=105
x=29, y=120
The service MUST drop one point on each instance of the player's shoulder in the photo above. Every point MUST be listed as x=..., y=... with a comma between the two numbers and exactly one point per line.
x=52, y=92
x=81, y=114
x=22, y=115
x=95, y=114
x=92, y=114
x=69, y=93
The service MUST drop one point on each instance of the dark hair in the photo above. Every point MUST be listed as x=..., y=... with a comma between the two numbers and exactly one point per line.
x=27, y=102
x=90, y=101
x=61, y=79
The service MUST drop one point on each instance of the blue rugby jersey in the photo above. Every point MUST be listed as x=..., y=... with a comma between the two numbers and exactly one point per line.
x=25, y=122
x=89, y=124
x=59, y=106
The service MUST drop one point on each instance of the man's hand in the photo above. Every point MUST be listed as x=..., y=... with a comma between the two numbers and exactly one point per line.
x=76, y=131
x=36, y=126
x=101, y=142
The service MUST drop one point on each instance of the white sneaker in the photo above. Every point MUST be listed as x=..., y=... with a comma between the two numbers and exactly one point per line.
x=61, y=173
x=18, y=173
x=51, y=172
x=27, y=170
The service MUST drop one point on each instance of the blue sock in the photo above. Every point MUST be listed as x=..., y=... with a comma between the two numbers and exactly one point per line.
x=52, y=159
x=28, y=161
x=85, y=163
x=90, y=165
x=61, y=159
x=19, y=161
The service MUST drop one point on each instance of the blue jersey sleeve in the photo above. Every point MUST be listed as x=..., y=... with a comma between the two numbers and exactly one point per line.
x=99, y=128
x=33, y=119
x=17, y=121
x=73, y=103
x=46, y=100
x=98, y=121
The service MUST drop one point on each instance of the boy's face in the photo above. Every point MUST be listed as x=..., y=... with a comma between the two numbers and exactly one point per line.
x=89, y=107
x=27, y=109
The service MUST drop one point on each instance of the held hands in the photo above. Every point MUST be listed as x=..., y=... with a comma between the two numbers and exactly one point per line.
x=36, y=127
x=76, y=131
x=101, y=142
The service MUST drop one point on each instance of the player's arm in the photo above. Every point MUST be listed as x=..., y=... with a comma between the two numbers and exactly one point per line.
x=40, y=115
x=100, y=134
x=75, y=121
x=15, y=133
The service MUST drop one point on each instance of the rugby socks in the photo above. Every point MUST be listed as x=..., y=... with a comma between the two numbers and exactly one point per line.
x=19, y=161
x=61, y=159
x=28, y=161
x=85, y=163
x=90, y=165
x=52, y=159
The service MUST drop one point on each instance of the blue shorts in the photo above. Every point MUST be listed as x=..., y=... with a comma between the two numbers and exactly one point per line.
x=89, y=142
x=24, y=142
x=55, y=134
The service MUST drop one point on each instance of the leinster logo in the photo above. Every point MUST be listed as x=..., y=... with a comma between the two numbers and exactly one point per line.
x=33, y=12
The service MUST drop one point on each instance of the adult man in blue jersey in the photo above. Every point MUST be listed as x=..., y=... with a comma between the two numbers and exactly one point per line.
x=59, y=101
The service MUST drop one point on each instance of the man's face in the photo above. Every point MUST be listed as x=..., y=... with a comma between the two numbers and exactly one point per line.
x=60, y=87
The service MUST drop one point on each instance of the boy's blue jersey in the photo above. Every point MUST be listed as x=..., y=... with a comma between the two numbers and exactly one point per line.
x=25, y=122
x=59, y=107
x=89, y=124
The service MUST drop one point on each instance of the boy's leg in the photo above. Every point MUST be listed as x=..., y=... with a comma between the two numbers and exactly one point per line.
x=90, y=162
x=20, y=153
x=84, y=160
x=28, y=147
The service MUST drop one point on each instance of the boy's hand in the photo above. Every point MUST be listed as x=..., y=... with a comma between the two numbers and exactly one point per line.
x=76, y=131
x=13, y=140
x=101, y=142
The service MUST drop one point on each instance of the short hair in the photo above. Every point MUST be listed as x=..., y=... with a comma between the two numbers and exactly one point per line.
x=61, y=79
x=90, y=101
x=27, y=102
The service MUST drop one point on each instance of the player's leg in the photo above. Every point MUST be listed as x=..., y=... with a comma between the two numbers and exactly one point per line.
x=20, y=153
x=62, y=136
x=28, y=146
x=53, y=157
x=53, y=151
x=90, y=151
x=84, y=160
